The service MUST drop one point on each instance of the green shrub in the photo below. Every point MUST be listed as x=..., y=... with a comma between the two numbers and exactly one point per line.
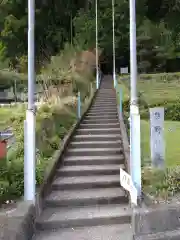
x=171, y=110
x=53, y=119
x=53, y=123
x=159, y=183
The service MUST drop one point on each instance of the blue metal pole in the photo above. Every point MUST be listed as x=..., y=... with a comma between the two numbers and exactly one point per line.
x=79, y=105
x=120, y=101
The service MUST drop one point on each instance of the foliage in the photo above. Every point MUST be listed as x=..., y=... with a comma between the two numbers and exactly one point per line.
x=74, y=21
x=62, y=78
x=162, y=184
x=52, y=125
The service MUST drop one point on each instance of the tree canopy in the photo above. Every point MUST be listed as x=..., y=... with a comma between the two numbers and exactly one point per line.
x=73, y=21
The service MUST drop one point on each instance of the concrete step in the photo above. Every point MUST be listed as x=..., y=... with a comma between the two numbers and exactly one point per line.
x=111, y=232
x=97, y=137
x=89, y=170
x=93, y=160
x=106, y=94
x=105, y=102
x=94, y=144
x=110, y=92
x=82, y=182
x=94, y=151
x=100, y=120
x=66, y=217
x=104, y=98
x=100, y=114
x=86, y=197
x=104, y=106
x=98, y=125
x=108, y=117
x=103, y=109
x=92, y=131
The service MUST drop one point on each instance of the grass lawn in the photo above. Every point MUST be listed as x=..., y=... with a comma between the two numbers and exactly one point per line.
x=172, y=137
x=5, y=113
x=155, y=91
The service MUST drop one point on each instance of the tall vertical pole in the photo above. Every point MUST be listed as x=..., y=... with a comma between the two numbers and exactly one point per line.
x=133, y=54
x=97, y=54
x=114, y=54
x=71, y=29
x=29, y=161
x=135, y=148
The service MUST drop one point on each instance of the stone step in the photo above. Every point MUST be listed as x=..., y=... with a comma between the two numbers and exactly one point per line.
x=83, y=182
x=64, y=217
x=93, y=160
x=89, y=170
x=97, y=137
x=86, y=197
x=94, y=144
x=94, y=151
x=92, y=131
x=111, y=232
x=98, y=125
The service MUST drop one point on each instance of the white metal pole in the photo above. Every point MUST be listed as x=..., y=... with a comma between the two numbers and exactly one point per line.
x=114, y=54
x=133, y=58
x=97, y=54
x=29, y=161
x=135, y=148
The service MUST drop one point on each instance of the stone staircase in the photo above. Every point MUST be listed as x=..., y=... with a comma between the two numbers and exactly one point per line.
x=86, y=201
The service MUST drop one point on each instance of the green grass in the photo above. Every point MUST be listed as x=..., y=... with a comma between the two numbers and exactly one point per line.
x=125, y=90
x=172, y=137
x=5, y=114
x=155, y=91
x=171, y=128
x=155, y=88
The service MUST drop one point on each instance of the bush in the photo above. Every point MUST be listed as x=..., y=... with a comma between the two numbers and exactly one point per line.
x=53, y=121
x=161, y=184
x=171, y=110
